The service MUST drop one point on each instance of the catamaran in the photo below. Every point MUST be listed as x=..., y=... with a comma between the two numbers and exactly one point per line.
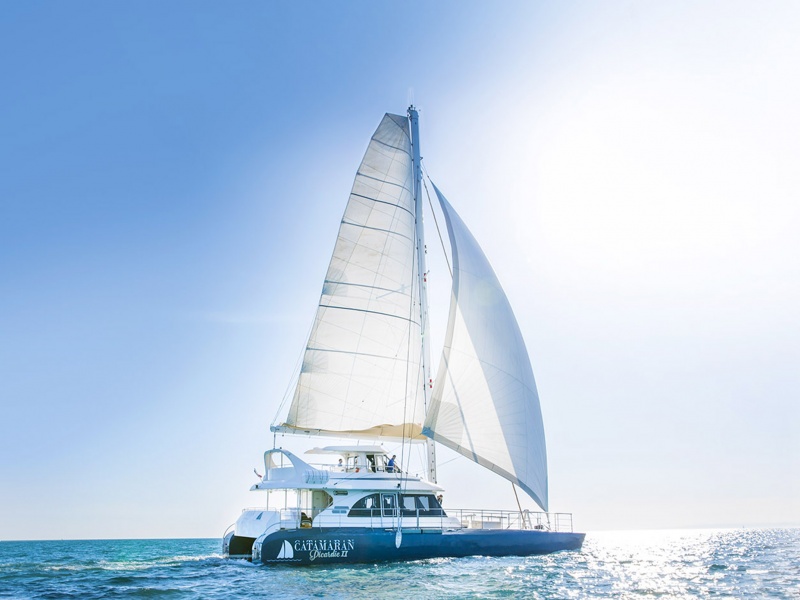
x=366, y=375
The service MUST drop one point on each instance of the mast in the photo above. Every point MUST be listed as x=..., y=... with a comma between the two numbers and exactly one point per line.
x=423, y=286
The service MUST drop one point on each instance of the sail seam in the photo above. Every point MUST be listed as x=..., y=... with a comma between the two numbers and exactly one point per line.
x=354, y=353
x=363, y=285
x=402, y=186
x=397, y=148
x=402, y=123
x=376, y=228
x=382, y=202
x=373, y=312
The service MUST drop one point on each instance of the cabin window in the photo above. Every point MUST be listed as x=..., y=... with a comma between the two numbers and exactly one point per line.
x=368, y=506
x=426, y=504
x=409, y=505
x=388, y=502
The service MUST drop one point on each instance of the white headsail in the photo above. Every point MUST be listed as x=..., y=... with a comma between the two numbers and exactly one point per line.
x=361, y=373
x=485, y=405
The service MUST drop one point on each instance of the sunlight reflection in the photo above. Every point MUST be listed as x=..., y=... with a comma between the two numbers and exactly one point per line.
x=671, y=563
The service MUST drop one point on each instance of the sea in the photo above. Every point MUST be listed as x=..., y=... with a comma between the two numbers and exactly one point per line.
x=729, y=563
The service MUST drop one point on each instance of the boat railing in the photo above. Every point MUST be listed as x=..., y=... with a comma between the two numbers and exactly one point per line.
x=466, y=518
x=356, y=469
x=512, y=519
x=229, y=528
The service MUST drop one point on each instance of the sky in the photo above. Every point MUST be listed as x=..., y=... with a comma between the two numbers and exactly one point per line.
x=172, y=177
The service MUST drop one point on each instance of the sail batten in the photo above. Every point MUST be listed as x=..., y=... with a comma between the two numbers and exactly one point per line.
x=361, y=285
x=381, y=202
x=361, y=371
x=374, y=312
x=389, y=231
x=484, y=404
x=382, y=181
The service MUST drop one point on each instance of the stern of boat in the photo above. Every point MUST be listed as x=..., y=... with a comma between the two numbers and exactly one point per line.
x=254, y=523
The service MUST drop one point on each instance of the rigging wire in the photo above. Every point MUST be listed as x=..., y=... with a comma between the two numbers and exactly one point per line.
x=408, y=361
x=399, y=500
x=521, y=514
x=295, y=375
x=407, y=459
x=447, y=462
x=436, y=221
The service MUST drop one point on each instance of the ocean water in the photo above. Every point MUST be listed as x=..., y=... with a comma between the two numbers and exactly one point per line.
x=744, y=563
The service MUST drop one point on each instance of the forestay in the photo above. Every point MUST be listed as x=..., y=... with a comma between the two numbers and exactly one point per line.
x=361, y=371
x=484, y=404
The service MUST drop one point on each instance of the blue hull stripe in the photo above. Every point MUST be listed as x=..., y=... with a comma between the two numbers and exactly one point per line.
x=354, y=545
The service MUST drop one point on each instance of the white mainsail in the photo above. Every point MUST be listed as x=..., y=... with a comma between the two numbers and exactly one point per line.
x=361, y=374
x=485, y=404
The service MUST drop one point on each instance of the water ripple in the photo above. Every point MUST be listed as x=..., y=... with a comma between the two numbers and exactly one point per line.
x=624, y=565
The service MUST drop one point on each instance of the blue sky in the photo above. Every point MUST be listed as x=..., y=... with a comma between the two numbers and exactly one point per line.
x=171, y=180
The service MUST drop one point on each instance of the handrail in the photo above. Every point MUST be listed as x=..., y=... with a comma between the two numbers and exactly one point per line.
x=351, y=469
x=231, y=526
x=509, y=519
x=461, y=518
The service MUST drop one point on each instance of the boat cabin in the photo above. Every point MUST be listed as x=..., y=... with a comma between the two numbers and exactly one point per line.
x=358, y=459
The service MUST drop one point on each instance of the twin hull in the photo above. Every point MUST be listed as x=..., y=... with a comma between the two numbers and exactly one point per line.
x=359, y=545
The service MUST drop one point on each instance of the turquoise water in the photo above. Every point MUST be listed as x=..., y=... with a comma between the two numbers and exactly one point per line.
x=745, y=563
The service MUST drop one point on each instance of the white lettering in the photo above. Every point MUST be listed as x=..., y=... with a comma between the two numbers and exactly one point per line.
x=337, y=548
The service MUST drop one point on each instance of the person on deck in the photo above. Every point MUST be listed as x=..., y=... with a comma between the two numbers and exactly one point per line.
x=391, y=464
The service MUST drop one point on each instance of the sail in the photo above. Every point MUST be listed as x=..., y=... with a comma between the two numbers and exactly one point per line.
x=484, y=403
x=286, y=550
x=361, y=372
